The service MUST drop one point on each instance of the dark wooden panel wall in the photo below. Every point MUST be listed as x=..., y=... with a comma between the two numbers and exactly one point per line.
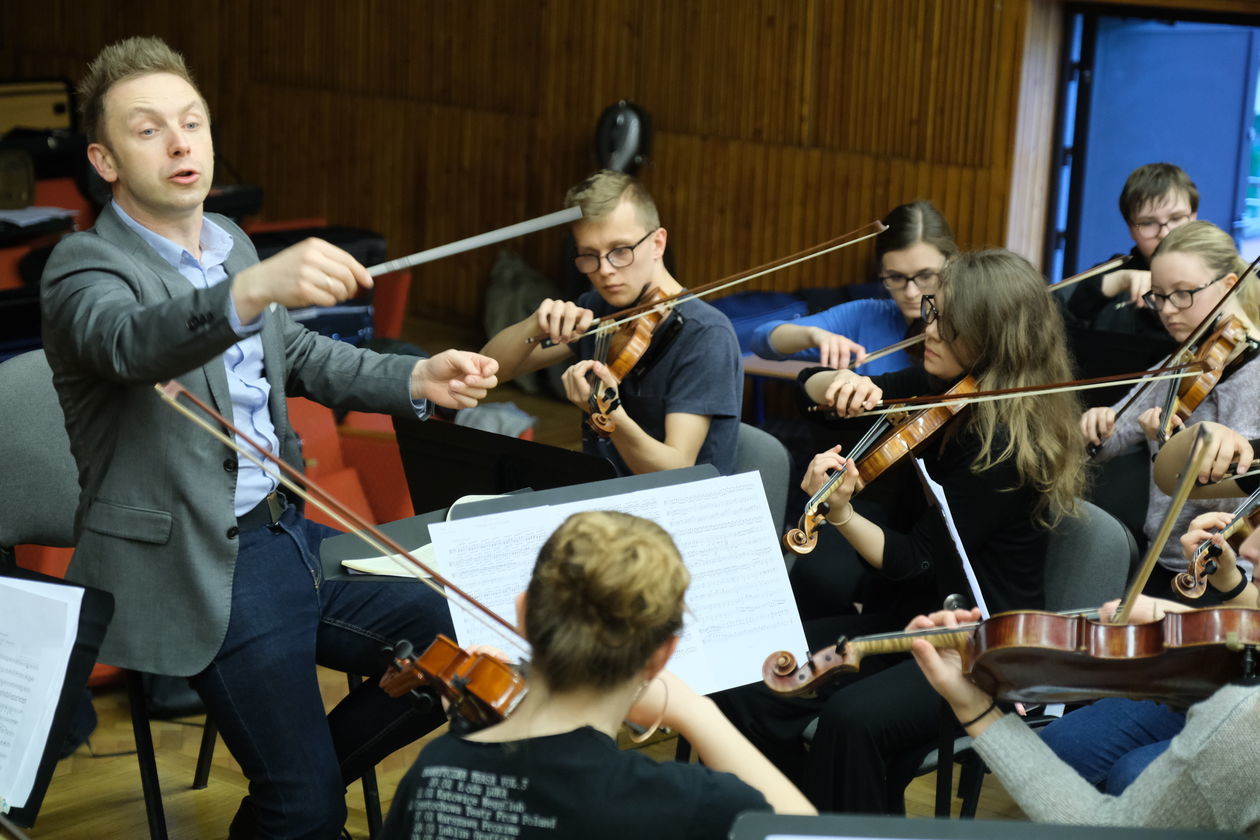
x=778, y=123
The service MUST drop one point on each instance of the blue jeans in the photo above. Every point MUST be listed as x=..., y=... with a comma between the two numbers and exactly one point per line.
x=1112, y=741
x=262, y=693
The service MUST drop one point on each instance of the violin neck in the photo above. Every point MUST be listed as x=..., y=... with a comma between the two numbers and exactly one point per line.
x=860, y=448
x=944, y=638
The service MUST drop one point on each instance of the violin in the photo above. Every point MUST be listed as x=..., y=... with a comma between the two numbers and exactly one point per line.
x=480, y=688
x=1186, y=350
x=620, y=351
x=1192, y=583
x=1045, y=657
x=1215, y=353
x=888, y=441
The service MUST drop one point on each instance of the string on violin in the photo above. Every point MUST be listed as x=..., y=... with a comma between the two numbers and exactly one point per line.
x=890, y=439
x=898, y=406
x=620, y=350
x=481, y=688
x=911, y=341
x=1192, y=583
x=1217, y=353
x=620, y=317
x=1188, y=349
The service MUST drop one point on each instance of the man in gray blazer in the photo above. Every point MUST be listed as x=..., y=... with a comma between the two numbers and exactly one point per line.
x=216, y=577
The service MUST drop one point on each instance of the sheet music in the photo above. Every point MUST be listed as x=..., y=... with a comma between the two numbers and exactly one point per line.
x=938, y=493
x=740, y=605
x=38, y=626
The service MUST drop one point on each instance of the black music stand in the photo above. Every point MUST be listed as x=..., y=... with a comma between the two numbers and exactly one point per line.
x=444, y=461
x=95, y=612
x=766, y=826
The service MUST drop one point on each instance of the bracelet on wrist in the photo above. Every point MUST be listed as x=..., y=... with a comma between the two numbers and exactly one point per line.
x=845, y=520
x=977, y=718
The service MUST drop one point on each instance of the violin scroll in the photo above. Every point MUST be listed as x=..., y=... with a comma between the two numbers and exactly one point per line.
x=803, y=539
x=1192, y=583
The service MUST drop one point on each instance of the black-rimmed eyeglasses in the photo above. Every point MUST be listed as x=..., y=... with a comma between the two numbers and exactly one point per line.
x=927, y=280
x=1180, y=299
x=619, y=257
x=927, y=309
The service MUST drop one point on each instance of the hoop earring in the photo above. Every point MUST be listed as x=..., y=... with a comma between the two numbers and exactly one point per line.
x=651, y=730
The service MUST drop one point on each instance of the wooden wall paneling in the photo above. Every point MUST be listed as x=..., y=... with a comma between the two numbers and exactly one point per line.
x=778, y=123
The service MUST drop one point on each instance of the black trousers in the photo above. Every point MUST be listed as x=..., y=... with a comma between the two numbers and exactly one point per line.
x=874, y=728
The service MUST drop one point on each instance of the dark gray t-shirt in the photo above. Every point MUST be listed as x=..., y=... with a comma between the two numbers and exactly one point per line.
x=696, y=370
x=572, y=786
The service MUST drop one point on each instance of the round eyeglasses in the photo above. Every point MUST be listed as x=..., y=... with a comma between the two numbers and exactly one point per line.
x=619, y=257
x=1180, y=299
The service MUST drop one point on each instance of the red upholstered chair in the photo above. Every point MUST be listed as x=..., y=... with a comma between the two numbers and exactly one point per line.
x=389, y=303
x=324, y=462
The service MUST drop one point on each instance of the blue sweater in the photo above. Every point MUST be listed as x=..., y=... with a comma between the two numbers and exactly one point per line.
x=871, y=322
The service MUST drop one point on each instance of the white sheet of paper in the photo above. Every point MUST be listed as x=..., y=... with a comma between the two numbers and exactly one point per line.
x=938, y=492
x=740, y=604
x=38, y=625
x=396, y=565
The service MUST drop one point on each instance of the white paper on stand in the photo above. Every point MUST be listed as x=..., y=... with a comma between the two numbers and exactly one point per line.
x=740, y=605
x=38, y=626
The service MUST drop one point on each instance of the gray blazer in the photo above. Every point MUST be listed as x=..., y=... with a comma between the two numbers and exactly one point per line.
x=156, y=493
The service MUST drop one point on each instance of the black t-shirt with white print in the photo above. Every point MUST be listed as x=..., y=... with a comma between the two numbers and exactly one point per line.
x=573, y=786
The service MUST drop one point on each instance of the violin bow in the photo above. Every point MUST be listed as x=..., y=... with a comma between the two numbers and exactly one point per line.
x=616, y=319
x=1104, y=268
x=560, y=217
x=292, y=480
x=1198, y=453
x=897, y=406
x=1195, y=335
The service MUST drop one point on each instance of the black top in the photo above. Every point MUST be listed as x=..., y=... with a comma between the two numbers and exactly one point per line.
x=1087, y=306
x=574, y=785
x=992, y=512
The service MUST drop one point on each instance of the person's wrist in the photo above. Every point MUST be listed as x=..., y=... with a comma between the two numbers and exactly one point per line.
x=418, y=381
x=1233, y=591
x=987, y=711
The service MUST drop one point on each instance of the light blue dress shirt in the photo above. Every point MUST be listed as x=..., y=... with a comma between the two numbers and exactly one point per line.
x=243, y=361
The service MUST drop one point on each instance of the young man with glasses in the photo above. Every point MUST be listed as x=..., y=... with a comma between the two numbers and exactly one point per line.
x=1157, y=199
x=680, y=404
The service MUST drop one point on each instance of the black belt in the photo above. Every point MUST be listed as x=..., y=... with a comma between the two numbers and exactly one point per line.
x=266, y=512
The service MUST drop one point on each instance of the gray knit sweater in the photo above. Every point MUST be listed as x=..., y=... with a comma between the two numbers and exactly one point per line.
x=1209, y=777
x=1233, y=403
